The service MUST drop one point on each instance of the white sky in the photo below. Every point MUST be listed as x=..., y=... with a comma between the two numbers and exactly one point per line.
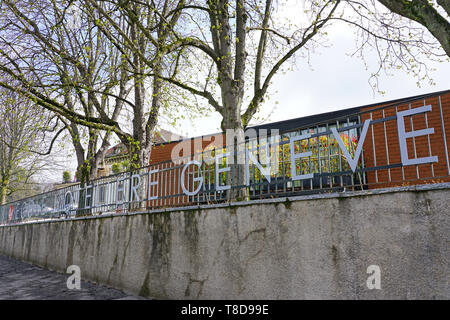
x=333, y=81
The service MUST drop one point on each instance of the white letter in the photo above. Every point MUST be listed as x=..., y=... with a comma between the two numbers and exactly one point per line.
x=152, y=183
x=265, y=171
x=68, y=206
x=135, y=187
x=402, y=135
x=120, y=188
x=295, y=156
x=219, y=171
x=353, y=162
x=87, y=196
x=263, y=147
x=74, y=281
x=186, y=191
x=374, y=280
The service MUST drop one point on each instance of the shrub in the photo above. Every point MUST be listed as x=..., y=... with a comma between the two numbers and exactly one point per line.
x=67, y=177
x=116, y=168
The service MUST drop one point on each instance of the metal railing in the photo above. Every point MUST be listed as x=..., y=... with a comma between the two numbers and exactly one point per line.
x=268, y=168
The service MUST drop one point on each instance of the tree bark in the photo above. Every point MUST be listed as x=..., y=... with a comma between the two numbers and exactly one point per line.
x=3, y=190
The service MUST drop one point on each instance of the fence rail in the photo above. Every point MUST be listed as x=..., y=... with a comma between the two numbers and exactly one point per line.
x=392, y=145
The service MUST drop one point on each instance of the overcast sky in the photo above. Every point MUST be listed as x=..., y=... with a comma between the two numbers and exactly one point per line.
x=334, y=81
x=337, y=81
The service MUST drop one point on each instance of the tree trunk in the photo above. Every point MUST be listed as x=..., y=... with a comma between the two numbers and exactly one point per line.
x=3, y=191
x=232, y=125
x=83, y=174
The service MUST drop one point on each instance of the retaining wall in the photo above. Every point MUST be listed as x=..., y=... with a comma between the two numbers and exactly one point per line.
x=316, y=247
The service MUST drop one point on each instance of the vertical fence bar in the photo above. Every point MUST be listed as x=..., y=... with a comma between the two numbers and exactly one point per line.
x=414, y=142
x=444, y=136
x=403, y=168
x=373, y=150
x=386, y=147
x=363, y=173
x=428, y=140
x=350, y=146
x=341, y=178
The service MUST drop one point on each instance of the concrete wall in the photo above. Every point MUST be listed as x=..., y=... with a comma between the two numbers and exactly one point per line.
x=298, y=248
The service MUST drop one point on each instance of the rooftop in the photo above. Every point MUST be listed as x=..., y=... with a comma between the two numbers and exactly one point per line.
x=295, y=123
x=160, y=137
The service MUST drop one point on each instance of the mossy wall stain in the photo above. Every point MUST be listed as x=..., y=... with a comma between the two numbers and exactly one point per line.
x=159, y=262
x=71, y=243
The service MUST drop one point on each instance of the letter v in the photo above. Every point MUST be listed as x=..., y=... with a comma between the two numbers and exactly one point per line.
x=353, y=162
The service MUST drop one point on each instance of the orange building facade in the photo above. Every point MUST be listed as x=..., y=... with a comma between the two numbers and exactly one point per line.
x=380, y=163
x=383, y=138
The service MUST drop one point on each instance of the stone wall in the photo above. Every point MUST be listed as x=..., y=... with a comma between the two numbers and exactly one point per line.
x=316, y=247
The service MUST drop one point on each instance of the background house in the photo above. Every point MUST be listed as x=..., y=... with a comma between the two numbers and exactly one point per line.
x=117, y=156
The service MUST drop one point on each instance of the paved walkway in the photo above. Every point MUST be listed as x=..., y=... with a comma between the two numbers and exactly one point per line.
x=20, y=280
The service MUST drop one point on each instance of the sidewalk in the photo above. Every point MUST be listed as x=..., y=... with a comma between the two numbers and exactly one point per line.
x=23, y=281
